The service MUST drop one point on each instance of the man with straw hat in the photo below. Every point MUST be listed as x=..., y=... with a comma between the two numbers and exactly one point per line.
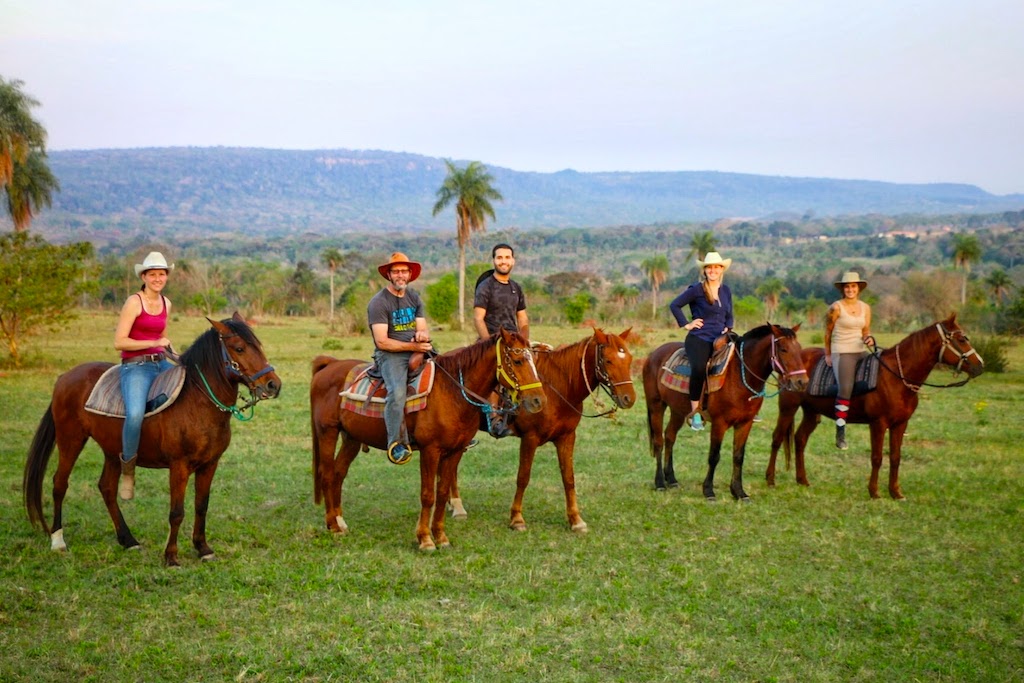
x=399, y=327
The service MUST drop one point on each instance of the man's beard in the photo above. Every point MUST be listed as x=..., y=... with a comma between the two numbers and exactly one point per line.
x=503, y=270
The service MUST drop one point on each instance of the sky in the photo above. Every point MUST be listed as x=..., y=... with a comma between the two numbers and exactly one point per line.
x=893, y=90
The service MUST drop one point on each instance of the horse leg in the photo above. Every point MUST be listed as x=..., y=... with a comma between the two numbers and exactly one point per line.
x=179, y=482
x=781, y=436
x=740, y=433
x=446, y=470
x=808, y=424
x=714, y=455
x=430, y=458
x=878, y=429
x=455, y=500
x=566, y=447
x=203, y=480
x=68, y=452
x=675, y=423
x=108, y=491
x=656, y=438
x=337, y=472
x=895, y=445
x=527, y=451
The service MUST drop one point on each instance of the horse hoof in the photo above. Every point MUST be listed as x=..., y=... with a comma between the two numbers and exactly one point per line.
x=134, y=547
x=673, y=484
x=209, y=557
x=580, y=528
x=710, y=499
x=746, y=499
x=517, y=526
x=660, y=488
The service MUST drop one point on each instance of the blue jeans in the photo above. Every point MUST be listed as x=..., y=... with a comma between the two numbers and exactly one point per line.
x=394, y=370
x=136, y=378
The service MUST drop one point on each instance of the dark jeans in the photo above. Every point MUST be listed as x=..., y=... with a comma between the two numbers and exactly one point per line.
x=698, y=352
x=394, y=370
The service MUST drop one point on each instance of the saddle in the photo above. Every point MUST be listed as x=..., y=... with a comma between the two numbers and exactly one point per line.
x=106, y=399
x=364, y=392
x=675, y=373
x=823, y=379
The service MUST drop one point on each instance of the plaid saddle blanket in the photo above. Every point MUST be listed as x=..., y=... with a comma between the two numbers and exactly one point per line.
x=105, y=398
x=675, y=373
x=364, y=394
x=823, y=380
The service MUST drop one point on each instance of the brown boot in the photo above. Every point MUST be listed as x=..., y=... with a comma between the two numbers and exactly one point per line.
x=127, y=488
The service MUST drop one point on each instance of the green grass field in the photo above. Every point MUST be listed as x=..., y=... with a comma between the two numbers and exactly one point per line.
x=803, y=584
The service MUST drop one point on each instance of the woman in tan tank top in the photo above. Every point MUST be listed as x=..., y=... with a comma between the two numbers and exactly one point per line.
x=847, y=331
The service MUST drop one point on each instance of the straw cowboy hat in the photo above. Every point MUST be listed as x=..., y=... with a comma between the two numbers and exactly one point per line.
x=851, y=277
x=713, y=258
x=154, y=260
x=397, y=259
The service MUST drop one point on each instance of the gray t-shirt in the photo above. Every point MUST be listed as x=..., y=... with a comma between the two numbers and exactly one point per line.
x=398, y=313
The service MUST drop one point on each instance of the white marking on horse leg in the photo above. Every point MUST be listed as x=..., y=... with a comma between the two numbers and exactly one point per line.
x=342, y=527
x=57, y=541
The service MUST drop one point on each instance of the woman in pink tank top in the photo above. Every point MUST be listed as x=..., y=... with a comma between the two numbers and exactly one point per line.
x=141, y=337
x=847, y=331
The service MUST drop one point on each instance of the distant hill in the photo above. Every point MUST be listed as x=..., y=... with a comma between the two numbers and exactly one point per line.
x=185, y=190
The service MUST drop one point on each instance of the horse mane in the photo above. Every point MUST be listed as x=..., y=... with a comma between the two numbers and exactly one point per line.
x=765, y=330
x=558, y=356
x=206, y=352
x=466, y=355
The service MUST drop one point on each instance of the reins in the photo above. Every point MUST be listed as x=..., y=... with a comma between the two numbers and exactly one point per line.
x=604, y=381
x=776, y=367
x=947, y=343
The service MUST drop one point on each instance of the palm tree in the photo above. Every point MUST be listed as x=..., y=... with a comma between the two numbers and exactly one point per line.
x=770, y=291
x=966, y=250
x=332, y=258
x=20, y=133
x=472, y=191
x=30, y=189
x=701, y=244
x=656, y=270
x=999, y=285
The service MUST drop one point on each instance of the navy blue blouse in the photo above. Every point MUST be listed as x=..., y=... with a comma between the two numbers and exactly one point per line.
x=717, y=316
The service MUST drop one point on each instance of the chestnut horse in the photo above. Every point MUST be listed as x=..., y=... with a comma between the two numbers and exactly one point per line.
x=441, y=431
x=570, y=373
x=765, y=349
x=187, y=437
x=904, y=369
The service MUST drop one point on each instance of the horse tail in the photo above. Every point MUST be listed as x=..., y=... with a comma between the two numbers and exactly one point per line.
x=35, y=468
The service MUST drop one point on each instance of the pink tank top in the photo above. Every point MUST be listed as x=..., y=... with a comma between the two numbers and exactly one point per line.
x=148, y=327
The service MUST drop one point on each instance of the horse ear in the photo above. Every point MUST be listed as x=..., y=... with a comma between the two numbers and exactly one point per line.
x=222, y=329
x=237, y=317
x=796, y=328
x=625, y=335
x=599, y=334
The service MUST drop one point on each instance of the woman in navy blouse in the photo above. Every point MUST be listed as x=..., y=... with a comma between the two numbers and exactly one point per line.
x=710, y=304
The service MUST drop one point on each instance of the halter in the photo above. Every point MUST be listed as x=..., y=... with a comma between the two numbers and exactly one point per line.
x=776, y=367
x=604, y=380
x=947, y=343
x=513, y=381
x=232, y=369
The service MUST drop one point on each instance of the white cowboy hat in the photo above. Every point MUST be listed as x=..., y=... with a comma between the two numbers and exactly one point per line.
x=851, y=277
x=154, y=260
x=397, y=259
x=713, y=258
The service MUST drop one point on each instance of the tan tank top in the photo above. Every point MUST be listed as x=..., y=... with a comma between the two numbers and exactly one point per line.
x=848, y=331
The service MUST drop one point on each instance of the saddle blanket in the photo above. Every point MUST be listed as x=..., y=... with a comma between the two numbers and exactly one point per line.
x=106, y=399
x=365, y=394
x=675, y=373
x=823, y=379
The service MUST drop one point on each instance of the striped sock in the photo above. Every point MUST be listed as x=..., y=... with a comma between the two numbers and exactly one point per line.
x=842, y=408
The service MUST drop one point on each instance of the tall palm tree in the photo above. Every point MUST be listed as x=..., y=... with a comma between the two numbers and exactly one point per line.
x=332, y=258
x=701, y=244
x=20, y=132
x=770, y=291
x=966, y=250
x=30, y=189
x=472, y=190
x=999, y=285
x=656, y=270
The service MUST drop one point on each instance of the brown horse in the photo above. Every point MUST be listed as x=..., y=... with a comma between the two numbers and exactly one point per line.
x=889, y=407
x=570, y=374
x=441, y=431
x=765, y=349
x=187, y=437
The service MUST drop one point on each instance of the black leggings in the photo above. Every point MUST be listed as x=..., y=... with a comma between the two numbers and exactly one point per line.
x=698, y=352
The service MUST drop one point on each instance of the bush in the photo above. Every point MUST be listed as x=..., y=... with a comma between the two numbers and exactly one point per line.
x=993, y=351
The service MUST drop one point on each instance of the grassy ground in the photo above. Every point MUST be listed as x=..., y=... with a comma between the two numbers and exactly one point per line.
x=804, y=584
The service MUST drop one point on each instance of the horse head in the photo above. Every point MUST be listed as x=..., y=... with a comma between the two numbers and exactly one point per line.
x=787, y=360
x=243, y=357
x=614, y=367
x=517, y=372
x=956, y=350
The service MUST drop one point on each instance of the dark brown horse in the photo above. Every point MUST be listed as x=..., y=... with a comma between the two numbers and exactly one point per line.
x=570, y=374
x=904, y=369
x=187, y=437
x=441, y=431
x=760, y=352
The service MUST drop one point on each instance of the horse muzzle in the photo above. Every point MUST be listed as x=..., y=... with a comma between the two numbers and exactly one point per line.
x=532, y=404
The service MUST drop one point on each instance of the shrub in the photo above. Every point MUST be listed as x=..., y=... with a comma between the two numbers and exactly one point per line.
x=993, y=352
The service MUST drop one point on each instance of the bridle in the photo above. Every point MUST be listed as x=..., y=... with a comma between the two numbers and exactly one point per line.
x=505, y=353
x=777, y=367
x=604, y=380
x=233, y=369
x=948, y=344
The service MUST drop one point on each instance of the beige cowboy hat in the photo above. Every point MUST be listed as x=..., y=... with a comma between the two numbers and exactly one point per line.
x=851, y=277
x=154, y=261
x=398, y=258
x=713, y=258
